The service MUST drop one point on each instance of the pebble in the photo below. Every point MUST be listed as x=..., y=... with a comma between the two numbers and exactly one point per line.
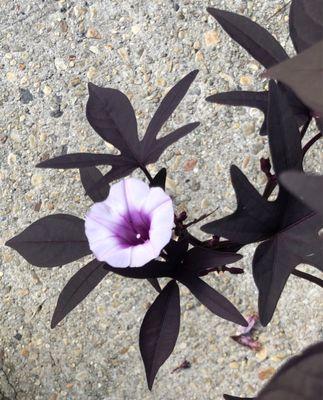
x=47, y=90
x=262, y=354
x=91, y=73
x=199, y=56
x=190, y=164
x=246, y=80
x=211, y=38
x=25, y=96
x=266, y=373
x=11, y=76
x=92, y=33
x=135, y=29
x=75, y=81
x=36, y=180
x=60, y=64
x=12, y=158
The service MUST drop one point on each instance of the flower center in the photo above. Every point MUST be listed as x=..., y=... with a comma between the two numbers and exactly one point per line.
x=133, y=229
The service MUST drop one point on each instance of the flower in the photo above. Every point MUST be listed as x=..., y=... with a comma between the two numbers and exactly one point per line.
x=131, y=226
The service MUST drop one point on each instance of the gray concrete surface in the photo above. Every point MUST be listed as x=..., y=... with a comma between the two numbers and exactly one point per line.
x=49, y=51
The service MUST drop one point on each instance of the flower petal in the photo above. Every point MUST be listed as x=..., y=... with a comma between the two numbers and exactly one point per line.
x=155, y=198
x=120, y=258
x=163, y=216
x=142, y=254
x=127, y=195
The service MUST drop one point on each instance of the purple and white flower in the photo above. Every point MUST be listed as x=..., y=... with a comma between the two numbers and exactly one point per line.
x=130, y=227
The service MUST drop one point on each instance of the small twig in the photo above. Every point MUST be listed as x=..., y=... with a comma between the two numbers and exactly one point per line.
x=282, y=9
x=311, y=142
x=308, y=277
x=197, y=220
x=146, y=172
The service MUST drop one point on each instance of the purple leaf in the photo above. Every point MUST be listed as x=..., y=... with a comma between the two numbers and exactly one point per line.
x=77, y=288
x=306, y=23
x=155, y=284
x=242, y=98
x=213, y=300
x=304, y=75
x=159, y=330
x=154, y=269
x=276, y=258
x=52, y=241
x=252, y=37
x=300, y=378
x=284, y=139
x=111, y=115
x=166, y=108
x=153, y=153
x=159, y=179
x=254, y=218
x=81, y=160
x=199, y=259
x=227, y=397
x=288, y=228
x=309, y=189
x=90, y=177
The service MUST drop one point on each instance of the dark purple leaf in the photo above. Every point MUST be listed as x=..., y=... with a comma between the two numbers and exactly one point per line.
x=159, y=179
x=199, y=259
x=166, y=109
x=227, y=397
x=159, y=330
x=213, y=300
x=81, y=160
x=77, y=288
x=301, y=378
x=155, y=284
x=288, y=228
x=252, y=37
x=52, y=241
x=304, y=75
x=306, y=23
x=284, y=139
x=308, y=188
x=242, y=98
x=154, y=269
x=176, y=250
x=111, y=115
x=254, y=219
x=114, y=174
x=90, y=177
x=160, y=145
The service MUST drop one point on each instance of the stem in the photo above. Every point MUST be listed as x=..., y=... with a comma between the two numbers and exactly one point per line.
x=311, y=142
x=305, y=127
x=146, y=172
x=308, y=277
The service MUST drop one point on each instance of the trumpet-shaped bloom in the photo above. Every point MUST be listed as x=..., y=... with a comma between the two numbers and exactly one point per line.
x=131, y=226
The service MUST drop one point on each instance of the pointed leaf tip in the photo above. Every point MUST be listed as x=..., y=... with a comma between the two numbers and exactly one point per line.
x=77, y=289
x=159, y=330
